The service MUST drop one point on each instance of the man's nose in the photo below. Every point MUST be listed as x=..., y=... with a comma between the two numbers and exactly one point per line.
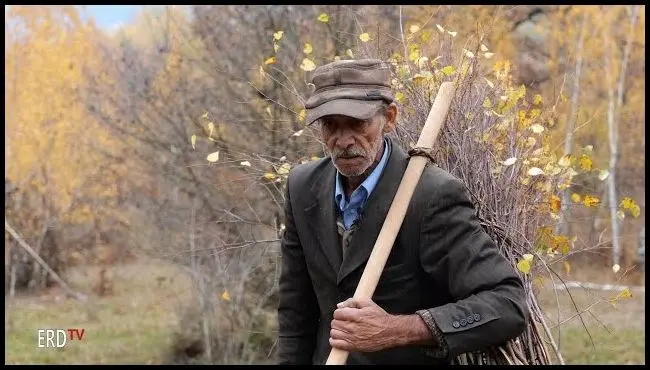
x=345, y=140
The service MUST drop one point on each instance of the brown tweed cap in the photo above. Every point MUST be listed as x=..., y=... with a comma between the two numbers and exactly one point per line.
x=354, y=88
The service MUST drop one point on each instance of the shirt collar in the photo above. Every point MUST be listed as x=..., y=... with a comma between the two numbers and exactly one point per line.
x=367, y=186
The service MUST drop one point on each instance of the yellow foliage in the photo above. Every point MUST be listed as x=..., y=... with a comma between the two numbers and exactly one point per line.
x=630, y=205
x=555, y=204
x=585, y=162
x=576, y=198
x=590, y=201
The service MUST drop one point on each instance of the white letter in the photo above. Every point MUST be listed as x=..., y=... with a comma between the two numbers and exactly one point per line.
x=50, y=338
x=41, y=338
x=60, y=334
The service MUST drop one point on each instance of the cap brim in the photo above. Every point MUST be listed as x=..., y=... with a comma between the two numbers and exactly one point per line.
x=359, y=109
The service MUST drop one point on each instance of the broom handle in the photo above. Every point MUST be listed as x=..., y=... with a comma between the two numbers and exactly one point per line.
x=397, y=211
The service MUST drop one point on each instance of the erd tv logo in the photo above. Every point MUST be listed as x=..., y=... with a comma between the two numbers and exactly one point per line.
x=57, y=338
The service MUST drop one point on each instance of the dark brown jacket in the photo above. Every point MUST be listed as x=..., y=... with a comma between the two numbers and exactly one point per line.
x=442, y=263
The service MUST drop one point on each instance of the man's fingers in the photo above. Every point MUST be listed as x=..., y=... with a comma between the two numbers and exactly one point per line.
x=337, y=333
x=346, y=303
x=346, y=314
x=356, y=303
x=363, y=302
x=341, y=344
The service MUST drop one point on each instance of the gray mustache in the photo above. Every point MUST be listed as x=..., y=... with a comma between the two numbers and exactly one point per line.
x=349, y=153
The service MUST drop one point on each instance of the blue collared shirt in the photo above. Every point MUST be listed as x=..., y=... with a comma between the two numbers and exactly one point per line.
x=352, y=207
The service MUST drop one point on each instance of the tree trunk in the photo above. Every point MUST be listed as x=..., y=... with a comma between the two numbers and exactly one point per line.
x=562, y=226
x=613, y=112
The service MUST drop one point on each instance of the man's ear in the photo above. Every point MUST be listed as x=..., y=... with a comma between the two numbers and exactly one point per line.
x=391, y=118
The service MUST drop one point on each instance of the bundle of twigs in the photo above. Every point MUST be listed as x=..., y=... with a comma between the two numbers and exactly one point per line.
x=508, y=207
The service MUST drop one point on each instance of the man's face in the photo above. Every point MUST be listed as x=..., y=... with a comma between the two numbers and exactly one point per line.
x=354, y=144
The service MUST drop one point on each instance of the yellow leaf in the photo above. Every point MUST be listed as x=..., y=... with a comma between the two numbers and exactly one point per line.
x=530, y=142
x=603, y=174
x=528, y=257
x=193, y=139
x=284, y=169
x=565, y=161
x=349, y=53
x=270, y=60
x=631, y=205
x=414, y=55
x=590, y=201
x=364, y=37
x=524, y=266
x=315, y=157
x=323, y=17
x=307, y=65
x=555, y=204
x=575, y=198
x=585, y=162
x=537, y=99
x=625, y=294
x=205, y=115
x=414, y=28
x=302, y=115
x=225, y=296
x=487, y=103
x=589, y=148
x=399, y=96
x=537, y=128
x=448, y=70
x=213, y=157
x=425, y=36
x=307, y=49
x=210, y=128
x=278, y=35
x=567, y=267
x=276, y=47
x=270, y=176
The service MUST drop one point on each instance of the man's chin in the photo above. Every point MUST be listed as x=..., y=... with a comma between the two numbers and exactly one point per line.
x=351, y=167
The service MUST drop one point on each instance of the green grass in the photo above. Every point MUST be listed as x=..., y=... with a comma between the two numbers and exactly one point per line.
x=620, y=346
x=135, y=325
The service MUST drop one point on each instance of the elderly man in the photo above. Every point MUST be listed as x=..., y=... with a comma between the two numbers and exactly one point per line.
x=445, y=289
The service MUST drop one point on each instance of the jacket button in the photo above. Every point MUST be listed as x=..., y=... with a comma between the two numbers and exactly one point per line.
x=456, y=324
x=463, y=322
x=470, y=319
x=477, y=317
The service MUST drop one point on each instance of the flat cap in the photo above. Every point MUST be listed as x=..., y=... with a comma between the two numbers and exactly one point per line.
x=354, y=88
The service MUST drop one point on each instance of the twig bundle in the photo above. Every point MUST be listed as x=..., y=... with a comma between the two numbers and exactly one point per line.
x=507, y=204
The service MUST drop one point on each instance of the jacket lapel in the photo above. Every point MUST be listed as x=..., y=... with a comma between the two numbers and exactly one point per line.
x=322, y=217
x=374, y=213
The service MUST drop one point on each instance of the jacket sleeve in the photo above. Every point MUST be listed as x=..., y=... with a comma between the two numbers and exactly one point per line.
x=488, y=302
x=298, y=311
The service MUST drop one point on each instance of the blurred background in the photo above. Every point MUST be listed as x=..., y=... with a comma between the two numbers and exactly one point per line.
x=146, y=150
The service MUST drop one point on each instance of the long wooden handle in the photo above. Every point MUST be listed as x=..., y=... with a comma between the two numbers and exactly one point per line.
x=395, y=217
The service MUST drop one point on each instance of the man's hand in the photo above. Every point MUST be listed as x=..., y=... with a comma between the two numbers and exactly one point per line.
x=363, y=326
